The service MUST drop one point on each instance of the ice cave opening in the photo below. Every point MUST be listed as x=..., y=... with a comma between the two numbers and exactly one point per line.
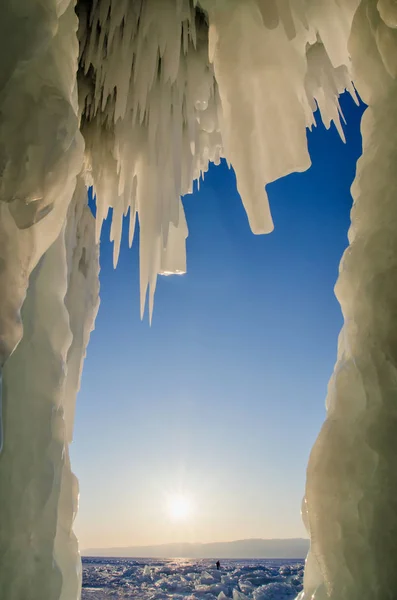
x=136, y=98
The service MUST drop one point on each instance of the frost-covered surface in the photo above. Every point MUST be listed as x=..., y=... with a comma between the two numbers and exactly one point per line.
x=184, y=579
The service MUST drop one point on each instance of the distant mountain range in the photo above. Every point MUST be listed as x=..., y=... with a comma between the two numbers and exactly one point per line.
x=254, y=548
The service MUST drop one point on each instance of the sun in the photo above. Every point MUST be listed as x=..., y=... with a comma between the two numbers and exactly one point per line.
x=179, y=507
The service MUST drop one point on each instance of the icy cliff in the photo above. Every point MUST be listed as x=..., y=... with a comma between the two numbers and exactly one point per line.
x=351, y=502
x=136, y=98
x=48, y=264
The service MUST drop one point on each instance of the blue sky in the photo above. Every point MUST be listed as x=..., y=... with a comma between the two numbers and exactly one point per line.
x=222, y=397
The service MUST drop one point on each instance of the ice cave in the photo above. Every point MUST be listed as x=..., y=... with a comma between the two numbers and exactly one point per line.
x=135, y=98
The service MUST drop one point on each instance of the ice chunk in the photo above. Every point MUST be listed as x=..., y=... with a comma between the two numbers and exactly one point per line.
x=239, y=595
x=275, y=591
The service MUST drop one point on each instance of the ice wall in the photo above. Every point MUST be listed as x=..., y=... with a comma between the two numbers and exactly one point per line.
x=32, y=454
x=38, y=495
x=351, y=501
x=41, y=148
x=41, y=155
x=81, y=303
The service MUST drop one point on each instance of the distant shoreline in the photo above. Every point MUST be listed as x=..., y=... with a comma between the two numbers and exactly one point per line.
x=87, y=558
x=250, y=549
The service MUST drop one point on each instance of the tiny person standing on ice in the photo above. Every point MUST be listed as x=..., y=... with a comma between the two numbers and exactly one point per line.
x=218, y=565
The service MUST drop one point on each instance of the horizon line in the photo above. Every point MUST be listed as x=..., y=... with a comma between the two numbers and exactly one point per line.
x=162, y=544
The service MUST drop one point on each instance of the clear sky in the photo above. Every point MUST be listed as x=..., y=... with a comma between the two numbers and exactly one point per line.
x=221, y=399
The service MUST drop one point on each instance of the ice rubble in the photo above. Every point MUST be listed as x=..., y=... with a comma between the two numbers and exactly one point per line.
x=164, y=88
x=182, y=579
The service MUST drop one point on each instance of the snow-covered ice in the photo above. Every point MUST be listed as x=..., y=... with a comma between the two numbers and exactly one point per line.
x=191, y=579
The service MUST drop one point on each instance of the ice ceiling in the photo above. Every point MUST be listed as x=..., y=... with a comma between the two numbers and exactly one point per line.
x=164, y=89
x=136, y=97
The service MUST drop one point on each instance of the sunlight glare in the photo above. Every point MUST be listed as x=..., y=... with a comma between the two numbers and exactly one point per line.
x=179, y=507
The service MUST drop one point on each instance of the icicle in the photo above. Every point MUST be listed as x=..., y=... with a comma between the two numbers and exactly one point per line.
x=173, y=91
x=165, y=90
x=116, y=230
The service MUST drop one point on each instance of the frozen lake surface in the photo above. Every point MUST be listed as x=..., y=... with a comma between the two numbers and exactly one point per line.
x=191, y=579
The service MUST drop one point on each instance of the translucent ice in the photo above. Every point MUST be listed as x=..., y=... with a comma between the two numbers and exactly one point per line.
x=41, y=148
x=149, y=111
x=351, y=506
x=38, y=550
x=158, y=89
x=164, y=89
